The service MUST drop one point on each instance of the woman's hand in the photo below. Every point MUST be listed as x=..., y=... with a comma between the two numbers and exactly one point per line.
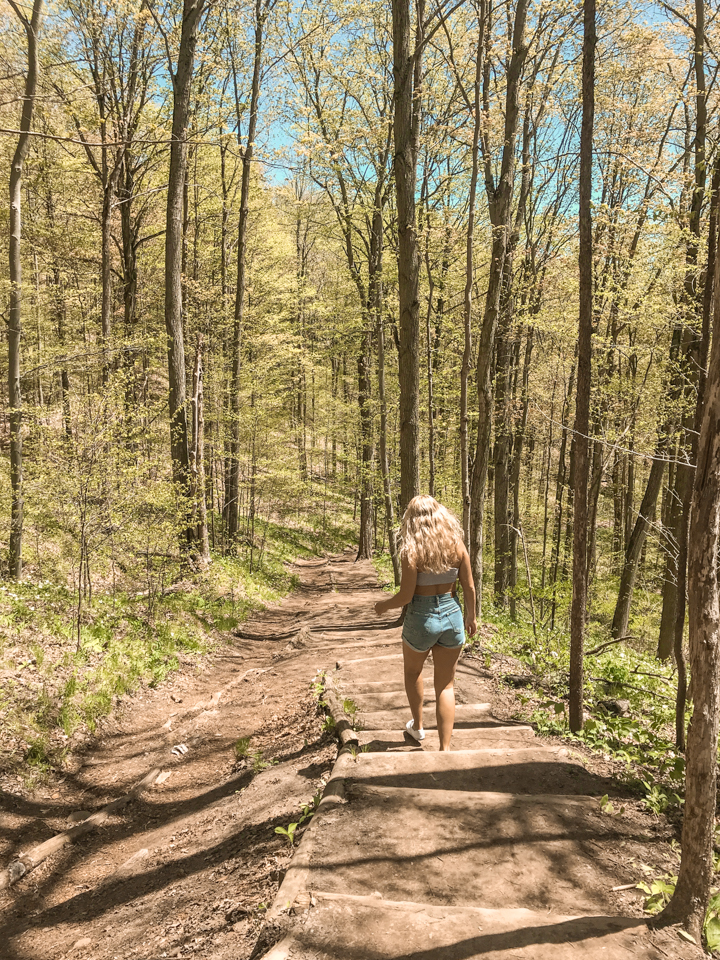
x=471, y=624
x=405, y=593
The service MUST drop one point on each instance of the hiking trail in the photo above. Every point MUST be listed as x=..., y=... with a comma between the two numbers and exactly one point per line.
x=499, y=849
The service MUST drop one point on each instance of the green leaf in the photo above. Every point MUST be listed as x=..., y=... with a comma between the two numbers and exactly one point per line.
x=712, y=932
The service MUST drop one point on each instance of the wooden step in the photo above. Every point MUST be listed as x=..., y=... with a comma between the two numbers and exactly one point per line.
x=490, y=849
x=498, y=736
x=397, y=713
x=519, y=768
x=342, y=927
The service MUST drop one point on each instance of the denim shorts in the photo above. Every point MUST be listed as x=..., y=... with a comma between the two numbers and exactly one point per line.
x=431, y=620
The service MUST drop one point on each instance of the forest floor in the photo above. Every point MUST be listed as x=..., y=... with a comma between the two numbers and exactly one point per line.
x=191, y=867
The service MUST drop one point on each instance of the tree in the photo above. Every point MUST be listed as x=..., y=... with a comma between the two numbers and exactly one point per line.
x=14, y=319
x=499, y=197
x=181, y=77
x=582, y=403
x=261, y=12
x=695, y=876
x=407, y=72
x=349, y=140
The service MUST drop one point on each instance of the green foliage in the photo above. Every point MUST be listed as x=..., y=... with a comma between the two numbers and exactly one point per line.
x=608, y=807
x=659, y=799
x=711, y=927
x=659, y=891
x=317, y=684
x=241, y=747
x=126, y=640
x=308, y=810
x=288, y=832
x=259, y=763
x=36, y=755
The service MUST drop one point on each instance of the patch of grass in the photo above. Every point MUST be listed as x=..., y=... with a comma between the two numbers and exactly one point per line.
x=36, y=755
x=384, y=569
x=259, y=763
x=133, y=631
x=241, y=747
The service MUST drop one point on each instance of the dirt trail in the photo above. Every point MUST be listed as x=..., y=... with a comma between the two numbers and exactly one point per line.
x=492, y=850
x=499, y=849
x=187, y=869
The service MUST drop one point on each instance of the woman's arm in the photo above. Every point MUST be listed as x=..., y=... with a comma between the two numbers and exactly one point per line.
x=408, y=579
x=468, y=589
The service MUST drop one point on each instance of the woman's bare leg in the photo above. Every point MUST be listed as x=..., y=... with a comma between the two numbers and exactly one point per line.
x=445, y=661
x=413, y=664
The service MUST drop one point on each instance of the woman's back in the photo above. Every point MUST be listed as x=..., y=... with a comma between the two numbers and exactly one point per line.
x=425, y=578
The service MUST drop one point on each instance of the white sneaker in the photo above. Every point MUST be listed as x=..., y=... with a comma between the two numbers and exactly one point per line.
x=415, y=734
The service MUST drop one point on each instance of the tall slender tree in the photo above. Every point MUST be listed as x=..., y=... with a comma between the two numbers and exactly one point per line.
x=181, y=75
x=582, y=402
x=261, y=12
x=695, y=876
x=14, y=318
x=499, y=196
x=408, y=43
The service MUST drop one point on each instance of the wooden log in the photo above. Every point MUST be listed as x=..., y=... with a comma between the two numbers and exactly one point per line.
x=27, y=862
x=333, y=699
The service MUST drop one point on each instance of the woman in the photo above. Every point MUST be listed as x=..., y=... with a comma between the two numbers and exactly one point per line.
x=433, y=556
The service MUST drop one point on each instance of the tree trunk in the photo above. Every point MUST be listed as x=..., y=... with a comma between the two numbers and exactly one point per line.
x=380, y=334
x=621, y=616
x=14, y=319
x=582, y=403
x=182, y=80
x=130, y=280
x=106, y=245
x=501, y=464
x=629, y=498
x=685, y=487
x=198, y=460
x=500, y=203
x=431, y=402
x=692, y=891
x=365, y=547
x=470, y=278
x=516, y=469
x=407, y=72
x=560, y=485
x=233, y=473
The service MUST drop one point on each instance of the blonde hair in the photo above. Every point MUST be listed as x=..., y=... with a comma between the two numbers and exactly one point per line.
x=431, y=536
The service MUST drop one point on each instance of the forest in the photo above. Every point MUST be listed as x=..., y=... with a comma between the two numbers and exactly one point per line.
x=274, y=267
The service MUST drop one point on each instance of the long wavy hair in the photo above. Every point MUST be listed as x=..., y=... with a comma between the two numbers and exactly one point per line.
x=431, y=537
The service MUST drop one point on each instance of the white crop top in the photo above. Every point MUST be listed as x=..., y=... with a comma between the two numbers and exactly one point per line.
x=426, y=579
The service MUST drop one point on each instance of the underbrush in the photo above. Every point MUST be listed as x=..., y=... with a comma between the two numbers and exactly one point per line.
x=629, y=699
x=65, y=665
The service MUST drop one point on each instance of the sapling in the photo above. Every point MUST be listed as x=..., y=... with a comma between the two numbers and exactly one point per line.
x=288, y=832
